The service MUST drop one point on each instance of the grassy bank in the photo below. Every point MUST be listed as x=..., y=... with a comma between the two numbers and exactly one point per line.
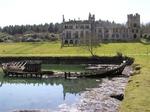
x=137, y=94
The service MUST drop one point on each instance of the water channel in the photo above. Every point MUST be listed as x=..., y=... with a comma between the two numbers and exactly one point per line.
x=44, y=94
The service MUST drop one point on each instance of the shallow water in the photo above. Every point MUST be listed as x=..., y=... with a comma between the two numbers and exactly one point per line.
x=46, y=94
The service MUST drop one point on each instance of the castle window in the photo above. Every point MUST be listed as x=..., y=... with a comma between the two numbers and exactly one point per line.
x=68, y=35
x=87, y=26
x=87, y=33
x=99, y=35
x=113, y=35
x=106, y=31
x=81, y=34
x=113, y=30
x=117, y=35
x=124, y=35
x=99, y=30
x=127, y=35
x=137, y=31
x=116, y=30
x=66, y=42
x=133, y=31
x=76, y=34
x=66, y=26
x=82, y=27
x=70, y=27
x=71, y=41
x=134, y=25
x=106, y=35
x=134, y=36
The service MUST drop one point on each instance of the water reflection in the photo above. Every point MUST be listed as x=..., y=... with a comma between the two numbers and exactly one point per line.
x=40, y=93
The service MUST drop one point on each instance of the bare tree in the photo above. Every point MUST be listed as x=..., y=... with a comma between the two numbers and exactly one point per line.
x=91, y=44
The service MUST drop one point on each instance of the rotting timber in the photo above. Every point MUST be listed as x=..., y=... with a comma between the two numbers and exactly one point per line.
x=96, y=66
x=24, y=69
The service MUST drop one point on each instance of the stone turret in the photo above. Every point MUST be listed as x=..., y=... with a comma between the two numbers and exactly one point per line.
x=93, y=37
x=91, y=17
x=133, y=20
x=133, y=25
x=63, y=18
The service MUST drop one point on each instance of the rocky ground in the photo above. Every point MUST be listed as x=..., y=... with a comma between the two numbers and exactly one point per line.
x=105, y=98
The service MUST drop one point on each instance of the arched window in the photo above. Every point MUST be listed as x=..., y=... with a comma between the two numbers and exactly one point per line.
x=71, y=41
x=66, y=41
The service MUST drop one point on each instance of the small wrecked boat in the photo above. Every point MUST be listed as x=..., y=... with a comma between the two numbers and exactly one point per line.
x=30, y=68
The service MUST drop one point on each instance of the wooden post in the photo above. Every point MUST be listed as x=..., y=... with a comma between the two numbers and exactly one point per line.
x=65, y=75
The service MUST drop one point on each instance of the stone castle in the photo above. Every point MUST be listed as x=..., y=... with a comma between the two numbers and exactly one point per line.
x=77, y=32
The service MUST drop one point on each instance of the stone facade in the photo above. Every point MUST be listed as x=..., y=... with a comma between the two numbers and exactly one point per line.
x=78, y=32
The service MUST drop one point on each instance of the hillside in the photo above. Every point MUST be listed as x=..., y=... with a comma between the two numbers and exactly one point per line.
x=29, y=37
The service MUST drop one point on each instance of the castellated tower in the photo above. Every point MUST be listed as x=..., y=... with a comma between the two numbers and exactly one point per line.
x=91, y=17
x=133, y=25
x=93, y=38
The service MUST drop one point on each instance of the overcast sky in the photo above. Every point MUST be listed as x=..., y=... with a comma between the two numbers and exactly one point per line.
x=19, y=12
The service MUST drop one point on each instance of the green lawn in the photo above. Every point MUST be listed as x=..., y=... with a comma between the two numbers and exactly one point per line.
x=137, y=94
x=54, y=49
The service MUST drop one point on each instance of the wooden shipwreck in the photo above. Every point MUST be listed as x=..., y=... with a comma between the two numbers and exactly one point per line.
x=32, y=68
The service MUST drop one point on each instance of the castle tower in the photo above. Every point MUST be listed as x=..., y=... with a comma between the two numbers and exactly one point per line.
x=133, y=24
x=91, y=17
x=92, y=22
x=63, y=18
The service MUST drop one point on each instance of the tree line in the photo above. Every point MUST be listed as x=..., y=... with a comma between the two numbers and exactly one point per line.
x=21, y=29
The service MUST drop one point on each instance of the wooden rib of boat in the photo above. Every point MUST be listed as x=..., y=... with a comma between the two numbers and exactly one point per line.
x=24, y=68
